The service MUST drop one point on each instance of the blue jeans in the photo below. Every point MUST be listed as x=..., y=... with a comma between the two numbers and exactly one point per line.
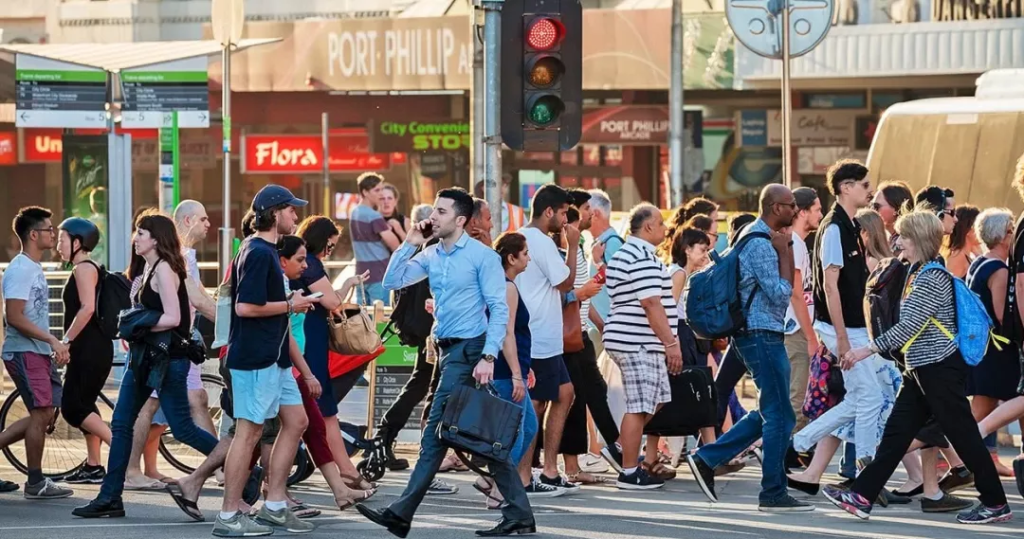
x=527, y=427
x=848, y=464
x=130, y=399
x=456, y=364
x=374, y=291
x=764, y=354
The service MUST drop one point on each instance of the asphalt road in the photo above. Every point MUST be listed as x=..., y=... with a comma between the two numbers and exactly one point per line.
x=677, y=511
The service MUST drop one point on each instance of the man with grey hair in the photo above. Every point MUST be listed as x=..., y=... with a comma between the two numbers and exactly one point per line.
x=640, y=336
x=607, y=242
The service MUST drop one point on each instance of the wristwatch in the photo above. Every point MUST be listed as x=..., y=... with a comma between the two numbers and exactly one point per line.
x=489, y=358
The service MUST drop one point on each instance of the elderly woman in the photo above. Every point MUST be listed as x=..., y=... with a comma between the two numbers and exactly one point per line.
x=995, y=378
x=934, y=382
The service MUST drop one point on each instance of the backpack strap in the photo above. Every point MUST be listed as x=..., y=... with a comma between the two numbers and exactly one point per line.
x=740, y=244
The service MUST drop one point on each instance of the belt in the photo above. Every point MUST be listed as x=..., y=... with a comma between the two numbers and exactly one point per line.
x=449, y=342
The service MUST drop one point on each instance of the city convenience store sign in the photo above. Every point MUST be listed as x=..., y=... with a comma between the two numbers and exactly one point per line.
x=420, y=135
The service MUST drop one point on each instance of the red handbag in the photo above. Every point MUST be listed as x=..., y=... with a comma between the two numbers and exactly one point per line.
x=339, y=364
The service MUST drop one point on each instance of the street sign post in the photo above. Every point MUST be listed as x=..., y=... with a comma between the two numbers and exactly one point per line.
x=181, y=86
x=170, y=162
x=782, y=30
x=59, y=94
x=228, y=21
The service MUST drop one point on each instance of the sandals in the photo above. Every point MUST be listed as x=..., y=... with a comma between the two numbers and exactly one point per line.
x=8, y=486
x=303, y=511
x=492, y=503
x=366, y=495
x=358, y=483
x=586, y=478
x=659, y=470
x=188, y=506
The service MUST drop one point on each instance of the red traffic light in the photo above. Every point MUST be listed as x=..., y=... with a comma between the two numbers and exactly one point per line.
x=545, y=34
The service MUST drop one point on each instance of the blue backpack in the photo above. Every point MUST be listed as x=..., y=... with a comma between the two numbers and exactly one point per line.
x=973, y=324
x=712, y=295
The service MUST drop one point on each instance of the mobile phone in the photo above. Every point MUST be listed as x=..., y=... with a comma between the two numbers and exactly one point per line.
x=316, y=295
x=427, y=229
x=599, y=278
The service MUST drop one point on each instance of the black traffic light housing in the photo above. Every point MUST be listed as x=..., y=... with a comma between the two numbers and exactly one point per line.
x=541, y=74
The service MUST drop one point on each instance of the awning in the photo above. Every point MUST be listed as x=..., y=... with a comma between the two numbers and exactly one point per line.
x=883, y=53
x=115, y=57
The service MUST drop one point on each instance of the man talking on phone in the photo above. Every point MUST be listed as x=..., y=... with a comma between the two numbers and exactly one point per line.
x=471, y=313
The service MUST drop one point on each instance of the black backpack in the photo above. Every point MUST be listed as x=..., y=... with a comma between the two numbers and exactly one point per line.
x=410, y=319
x=882, y=297
x=113, y=295
x=694, y=405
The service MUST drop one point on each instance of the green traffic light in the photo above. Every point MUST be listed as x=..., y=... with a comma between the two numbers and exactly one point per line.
x=545, y=110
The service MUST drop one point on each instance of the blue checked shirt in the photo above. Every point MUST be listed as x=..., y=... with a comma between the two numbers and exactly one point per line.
x=759, y=266
x=468, y=284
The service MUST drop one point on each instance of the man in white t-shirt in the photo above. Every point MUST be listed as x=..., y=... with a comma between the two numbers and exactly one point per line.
x=801, y=341
x=541, y=286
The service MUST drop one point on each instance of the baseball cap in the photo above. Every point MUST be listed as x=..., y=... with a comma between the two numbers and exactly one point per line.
x=275, y=195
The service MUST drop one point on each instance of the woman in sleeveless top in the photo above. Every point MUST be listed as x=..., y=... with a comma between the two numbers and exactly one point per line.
x=962, y=245
x=162, y=289
x=513, y=364
x=92, y=354
x=996, y=377
x=399, y=223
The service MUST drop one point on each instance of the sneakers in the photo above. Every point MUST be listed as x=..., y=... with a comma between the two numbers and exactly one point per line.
x=985, y=515
x=536, y=489
x=704, y=475
x=785, y=504
x=592, y=463
x=613, y=456
x=848, y=501
x=46, y=490
x=559, y=482
x=441, y=488
x=947, y=504
x=957, y=478
x=240, y=525
x=638, y=480
x=87, y=475
x=283, y=519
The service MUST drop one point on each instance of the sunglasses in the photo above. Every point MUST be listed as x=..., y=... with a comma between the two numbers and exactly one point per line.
x=331, y=246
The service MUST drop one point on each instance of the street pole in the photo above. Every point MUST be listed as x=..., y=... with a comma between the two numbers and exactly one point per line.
x=492, y=95
x=675, y=139
x=478, y=97
x=787, y=102
x=325, y=139
x=227, y=234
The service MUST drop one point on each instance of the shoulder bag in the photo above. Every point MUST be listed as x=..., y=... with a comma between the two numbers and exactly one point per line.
x=351, y=330
x=476, y=421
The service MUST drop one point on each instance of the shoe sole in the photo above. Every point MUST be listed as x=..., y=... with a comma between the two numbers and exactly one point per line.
x=631, y=486
x=242, y=534
x=539, y=495
x=603, y=468
x=847, y=507
x=281, y=526
x=441, y=493
x=797, y=509
x=611, y=462
x=38, y=497
x=700, y=480
x=993, y=520
x=947, y=509
x=109, y=514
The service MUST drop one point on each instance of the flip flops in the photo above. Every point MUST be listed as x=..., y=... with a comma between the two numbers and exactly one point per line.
x=8, y=486
x=188, y=506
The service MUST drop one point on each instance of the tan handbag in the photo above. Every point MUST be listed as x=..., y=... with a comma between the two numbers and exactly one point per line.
x=352, y=332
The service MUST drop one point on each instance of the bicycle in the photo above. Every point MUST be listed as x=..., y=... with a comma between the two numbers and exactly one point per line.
x=65, y=445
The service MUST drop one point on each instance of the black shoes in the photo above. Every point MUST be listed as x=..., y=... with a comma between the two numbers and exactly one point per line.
x=947, y=504
x=704, y=475
x=957, y=478
x=387, y=519
x=87, y=475
x=613, y=455
x=638, y=480
x=811, y=489
x=786, y=504
x=509, y=527
x=100, y=509
x=251, y=492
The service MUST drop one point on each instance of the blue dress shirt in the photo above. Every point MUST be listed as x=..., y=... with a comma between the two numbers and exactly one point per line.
x=467, y=283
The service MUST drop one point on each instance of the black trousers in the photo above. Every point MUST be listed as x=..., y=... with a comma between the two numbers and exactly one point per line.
x=730, y=372
x=412, y=393
x=938, y=390
x=591, y=393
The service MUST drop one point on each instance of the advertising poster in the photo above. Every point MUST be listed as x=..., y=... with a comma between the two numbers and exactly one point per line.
x=85, y=179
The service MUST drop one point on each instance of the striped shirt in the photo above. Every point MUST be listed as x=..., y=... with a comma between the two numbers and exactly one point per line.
x=366, y=226
x=929, y=297
x=634, y=274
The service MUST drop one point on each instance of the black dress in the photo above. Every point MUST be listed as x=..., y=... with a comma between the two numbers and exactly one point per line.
x=92, y=356
x=998, y=374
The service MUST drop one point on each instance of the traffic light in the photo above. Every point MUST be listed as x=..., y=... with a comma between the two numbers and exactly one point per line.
x=541, y=74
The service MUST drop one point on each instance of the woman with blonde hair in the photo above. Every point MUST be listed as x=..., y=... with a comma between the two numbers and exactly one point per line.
x=872, y=232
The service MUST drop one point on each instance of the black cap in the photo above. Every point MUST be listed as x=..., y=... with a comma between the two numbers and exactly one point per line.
x=275, y=195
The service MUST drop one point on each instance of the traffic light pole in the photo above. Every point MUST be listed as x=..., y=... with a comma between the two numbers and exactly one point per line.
x=492, y=114
x=676, y=124
x=476, y=31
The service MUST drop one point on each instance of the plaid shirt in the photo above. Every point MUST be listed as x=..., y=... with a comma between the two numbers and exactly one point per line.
x=759, y=267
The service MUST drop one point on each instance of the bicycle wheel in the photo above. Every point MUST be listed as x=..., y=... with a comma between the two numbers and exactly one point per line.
x=65, y=450
x=302, y=468
x=181, y=456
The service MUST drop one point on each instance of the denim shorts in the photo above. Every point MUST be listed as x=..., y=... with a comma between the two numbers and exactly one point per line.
x=259, y=395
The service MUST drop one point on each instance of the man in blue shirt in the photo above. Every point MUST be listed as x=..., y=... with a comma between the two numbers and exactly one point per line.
x=766, y=284
x=468, y=284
